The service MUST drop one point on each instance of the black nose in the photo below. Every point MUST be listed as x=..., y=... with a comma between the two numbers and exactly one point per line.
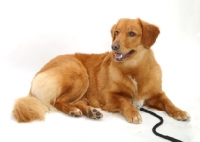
x=115, y=46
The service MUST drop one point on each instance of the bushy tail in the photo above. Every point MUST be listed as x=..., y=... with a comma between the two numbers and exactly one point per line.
x=29, y=108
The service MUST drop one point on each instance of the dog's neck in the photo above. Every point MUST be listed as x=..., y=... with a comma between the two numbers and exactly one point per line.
x=146, y=64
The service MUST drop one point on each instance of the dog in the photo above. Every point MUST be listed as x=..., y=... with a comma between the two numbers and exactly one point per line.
x=122, y=80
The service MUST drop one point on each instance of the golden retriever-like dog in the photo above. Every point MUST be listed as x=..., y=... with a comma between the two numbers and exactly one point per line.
x=76, y=84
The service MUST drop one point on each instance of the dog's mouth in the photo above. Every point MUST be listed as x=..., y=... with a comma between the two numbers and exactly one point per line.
x=121, y=56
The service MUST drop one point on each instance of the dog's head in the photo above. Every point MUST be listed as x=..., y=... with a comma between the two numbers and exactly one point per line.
x=129, y=34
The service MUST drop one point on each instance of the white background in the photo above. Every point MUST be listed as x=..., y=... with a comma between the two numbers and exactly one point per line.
x=33, y=32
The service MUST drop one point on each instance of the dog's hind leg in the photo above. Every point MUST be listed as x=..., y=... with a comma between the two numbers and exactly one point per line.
x=65, y=102
x=87, y=110
x=68, y=108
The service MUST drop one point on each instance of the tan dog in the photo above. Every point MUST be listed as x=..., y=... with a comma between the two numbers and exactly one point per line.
x=77, y=84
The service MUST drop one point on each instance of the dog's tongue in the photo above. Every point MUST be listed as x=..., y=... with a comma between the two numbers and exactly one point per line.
x=118, y=56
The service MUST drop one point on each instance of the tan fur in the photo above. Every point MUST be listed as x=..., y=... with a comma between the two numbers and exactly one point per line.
x=29, y=108
x=112, y=81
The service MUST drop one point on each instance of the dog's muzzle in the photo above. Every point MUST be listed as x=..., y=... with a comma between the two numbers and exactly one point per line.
x=121, y=56
x=115, y=46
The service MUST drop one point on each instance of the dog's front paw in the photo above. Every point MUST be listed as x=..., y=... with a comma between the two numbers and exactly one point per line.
x=133, y=117
x=180, y=115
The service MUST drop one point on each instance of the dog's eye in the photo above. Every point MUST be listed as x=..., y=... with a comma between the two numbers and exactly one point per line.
x=132, y=34
x=116, y=32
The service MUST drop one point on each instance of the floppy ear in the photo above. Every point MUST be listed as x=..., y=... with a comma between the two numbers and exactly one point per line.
x=149, y=34
x=113, y=32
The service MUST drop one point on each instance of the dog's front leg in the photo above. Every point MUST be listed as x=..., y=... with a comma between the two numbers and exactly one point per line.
x=114, y=102
x=162, y=102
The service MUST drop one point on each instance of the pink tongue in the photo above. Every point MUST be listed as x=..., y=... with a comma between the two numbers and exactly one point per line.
x=118, y=55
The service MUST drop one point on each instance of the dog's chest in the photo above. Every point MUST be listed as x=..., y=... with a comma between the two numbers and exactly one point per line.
x=134, y=82
x=137, y=103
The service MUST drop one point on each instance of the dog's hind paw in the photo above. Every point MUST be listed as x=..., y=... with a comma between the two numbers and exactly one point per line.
x=76, y=113
x=94, y=113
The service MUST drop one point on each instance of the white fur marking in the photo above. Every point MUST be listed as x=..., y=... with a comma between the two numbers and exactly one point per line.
x=135, y=83
x=138, y=104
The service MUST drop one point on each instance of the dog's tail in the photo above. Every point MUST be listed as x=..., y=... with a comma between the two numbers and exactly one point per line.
x=29, y=108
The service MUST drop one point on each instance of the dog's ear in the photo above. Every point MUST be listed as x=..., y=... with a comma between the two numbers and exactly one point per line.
x=149, y=34
x=113, y=32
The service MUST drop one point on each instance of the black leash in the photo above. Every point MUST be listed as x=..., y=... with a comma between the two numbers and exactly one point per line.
x=157, y=125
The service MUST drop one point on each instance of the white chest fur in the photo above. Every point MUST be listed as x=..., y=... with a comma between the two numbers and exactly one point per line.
x=137, y=103
x=135, y=84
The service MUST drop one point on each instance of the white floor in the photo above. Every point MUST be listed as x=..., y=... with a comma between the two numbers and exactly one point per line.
x=31, y=33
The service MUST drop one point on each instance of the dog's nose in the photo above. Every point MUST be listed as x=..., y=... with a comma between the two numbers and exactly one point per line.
x=115, y=46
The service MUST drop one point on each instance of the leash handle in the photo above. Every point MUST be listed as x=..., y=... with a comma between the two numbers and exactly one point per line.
x=157, y=125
